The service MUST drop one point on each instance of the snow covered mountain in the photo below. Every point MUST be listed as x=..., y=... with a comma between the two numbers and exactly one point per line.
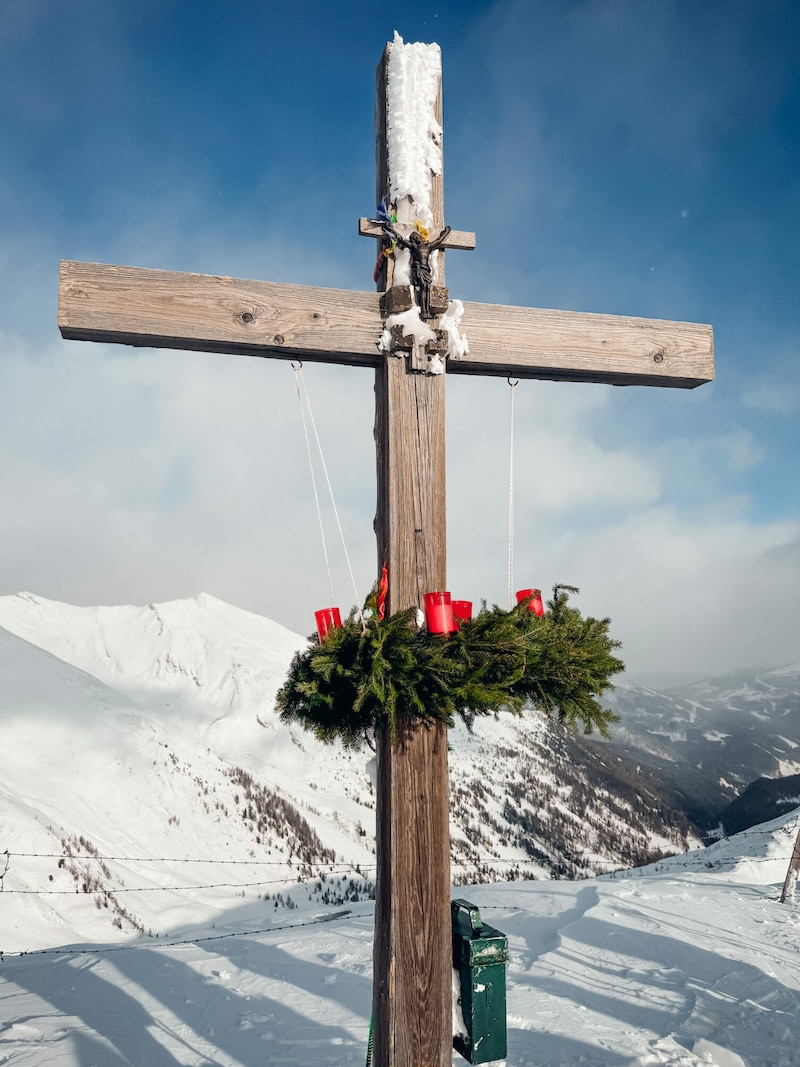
x=186, y=881
x=763, y=800
x=709, y=740
x=150, y=731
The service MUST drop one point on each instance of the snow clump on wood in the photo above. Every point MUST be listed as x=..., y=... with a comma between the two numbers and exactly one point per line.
x=414, y=135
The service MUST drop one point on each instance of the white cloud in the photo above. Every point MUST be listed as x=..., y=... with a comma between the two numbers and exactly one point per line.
x=776, y=398
x=684, y=594
x=133, y=476
x=692, y=588
x=694, y=596
x=130, y=477
x=733, y=451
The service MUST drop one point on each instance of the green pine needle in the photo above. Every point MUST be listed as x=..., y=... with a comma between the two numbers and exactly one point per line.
x=368, y=676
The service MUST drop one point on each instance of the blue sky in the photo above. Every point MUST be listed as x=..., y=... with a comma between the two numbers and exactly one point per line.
x=621, y=156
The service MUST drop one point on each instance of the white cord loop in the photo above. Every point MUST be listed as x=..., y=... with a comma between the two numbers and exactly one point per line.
x=305, y=404
x=513, y=386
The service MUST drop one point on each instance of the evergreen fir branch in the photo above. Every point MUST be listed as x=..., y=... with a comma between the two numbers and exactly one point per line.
x=365, y=676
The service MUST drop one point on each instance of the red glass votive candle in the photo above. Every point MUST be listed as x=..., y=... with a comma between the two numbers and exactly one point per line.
x=536, y=605
x=438, y=613
x=462, y=611
x=327, y=619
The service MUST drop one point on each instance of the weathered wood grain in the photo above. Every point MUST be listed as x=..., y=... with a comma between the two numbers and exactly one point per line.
x=580, y=346
x=412, y=1007
x=412, y=952
x=412, y=969
x=210, y=313
x=789, y=883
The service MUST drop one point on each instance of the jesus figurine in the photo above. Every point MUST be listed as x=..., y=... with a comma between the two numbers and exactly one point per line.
x=421, y=270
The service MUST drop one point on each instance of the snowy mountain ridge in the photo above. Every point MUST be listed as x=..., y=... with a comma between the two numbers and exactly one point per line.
x=165, y=653
x=708, y=741
x=187, y=881
x=197, y=679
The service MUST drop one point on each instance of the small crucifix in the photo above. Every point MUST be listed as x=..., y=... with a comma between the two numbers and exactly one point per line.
x=153, y=308
x=420, y=249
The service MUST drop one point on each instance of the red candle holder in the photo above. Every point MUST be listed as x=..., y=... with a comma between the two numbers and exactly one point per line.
x=327, y=619
x=462, y=611
x=438, y=613
x=536, y=605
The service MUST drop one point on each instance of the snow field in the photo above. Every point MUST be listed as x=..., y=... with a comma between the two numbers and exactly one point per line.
x=675, y=969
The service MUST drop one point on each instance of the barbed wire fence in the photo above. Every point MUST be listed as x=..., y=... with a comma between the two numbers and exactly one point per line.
x=693, y=857
x=691, y=861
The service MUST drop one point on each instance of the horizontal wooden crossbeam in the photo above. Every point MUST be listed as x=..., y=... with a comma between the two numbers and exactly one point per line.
x=577, y=346
x=209, y=313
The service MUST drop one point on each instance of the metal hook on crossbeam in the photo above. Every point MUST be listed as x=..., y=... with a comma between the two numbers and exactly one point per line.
x=512, y=384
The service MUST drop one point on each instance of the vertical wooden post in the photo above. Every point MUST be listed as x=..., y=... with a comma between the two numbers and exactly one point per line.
x=788, y=891
x=412, y=966
x=412, y=955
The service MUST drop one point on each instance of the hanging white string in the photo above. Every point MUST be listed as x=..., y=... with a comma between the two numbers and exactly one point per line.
x=513, y=385
x=297, y=368
x=301, y=385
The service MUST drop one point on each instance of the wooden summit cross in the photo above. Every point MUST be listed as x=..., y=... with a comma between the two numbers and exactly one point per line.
x=153, y=308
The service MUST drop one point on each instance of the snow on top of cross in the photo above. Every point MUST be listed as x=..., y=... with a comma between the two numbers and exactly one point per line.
x=413, y=132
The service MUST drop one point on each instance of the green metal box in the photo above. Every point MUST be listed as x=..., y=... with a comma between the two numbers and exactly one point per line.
x=480, y=955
